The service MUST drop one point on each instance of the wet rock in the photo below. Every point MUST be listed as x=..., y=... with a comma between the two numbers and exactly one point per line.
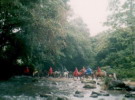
x=79, y=95
x=117, y=88
x=101, y=99
x=57, y=98
x=106, y=94
x=116, y=85
x=89, y=86
x=128, y=95
x=78, y=92
x=130, y=88
x=34, y=80
x=100, y=83
x=89, y=81
x=94, y=95
x=54, y=83
x=97, y=93
x=49, y=94
x=52, y=98
x=100, y=93
x=46, y=95
x=62, y=98
x=133, y=93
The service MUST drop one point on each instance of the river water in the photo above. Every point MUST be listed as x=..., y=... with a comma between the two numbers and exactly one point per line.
x=29, y=88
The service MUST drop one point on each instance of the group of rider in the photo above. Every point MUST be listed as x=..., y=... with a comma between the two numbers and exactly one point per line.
x=87, y=71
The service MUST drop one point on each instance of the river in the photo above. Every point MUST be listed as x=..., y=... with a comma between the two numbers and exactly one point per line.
x=29, y=88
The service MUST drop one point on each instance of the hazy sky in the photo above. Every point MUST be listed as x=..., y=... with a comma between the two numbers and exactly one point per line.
x=93, y=13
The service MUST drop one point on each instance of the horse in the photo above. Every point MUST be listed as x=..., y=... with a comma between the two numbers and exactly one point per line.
x=39, y=73
x=89, y=75
x=100, y=74
x=70, y=74
x=80, y=75
x=65, y=74
x=112, y=75
x=57, y=74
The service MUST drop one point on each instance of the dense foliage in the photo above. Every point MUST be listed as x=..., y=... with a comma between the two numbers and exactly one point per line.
x=40, y=34
x=37, y=34
x=116, y=47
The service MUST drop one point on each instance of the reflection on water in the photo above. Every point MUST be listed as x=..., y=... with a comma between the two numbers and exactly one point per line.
x=28, y=88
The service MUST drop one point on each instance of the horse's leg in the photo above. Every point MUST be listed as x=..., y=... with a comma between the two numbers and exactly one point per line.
x=91, y=76
x=67, y=75
x=96, y=77
x=81, y=77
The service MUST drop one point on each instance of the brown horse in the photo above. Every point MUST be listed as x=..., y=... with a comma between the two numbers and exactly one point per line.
x=100, y=74
x=80, y=75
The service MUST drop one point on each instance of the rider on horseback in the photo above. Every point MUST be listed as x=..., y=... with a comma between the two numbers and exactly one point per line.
x=83, y=70
x=75, y=73
x=50, y=71
x=88, y=71
x=98, y=70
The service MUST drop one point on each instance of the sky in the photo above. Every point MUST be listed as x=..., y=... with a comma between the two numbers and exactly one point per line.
x=93, y=13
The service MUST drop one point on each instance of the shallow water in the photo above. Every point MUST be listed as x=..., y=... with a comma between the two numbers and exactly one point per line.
x=28, y=88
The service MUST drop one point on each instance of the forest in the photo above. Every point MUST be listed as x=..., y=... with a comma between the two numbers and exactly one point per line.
x=42, y=33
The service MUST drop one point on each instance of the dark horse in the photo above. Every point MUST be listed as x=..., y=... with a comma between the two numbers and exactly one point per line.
x=89, y=75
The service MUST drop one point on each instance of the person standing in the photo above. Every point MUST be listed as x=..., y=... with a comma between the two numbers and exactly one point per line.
x=50, y=71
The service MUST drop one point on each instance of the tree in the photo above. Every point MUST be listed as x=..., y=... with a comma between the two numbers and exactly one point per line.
x=33, y=30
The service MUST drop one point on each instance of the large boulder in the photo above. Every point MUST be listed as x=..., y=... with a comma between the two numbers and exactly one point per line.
x=94, y=95
x=130, y=88
x=78, y=94
x=100, y=93
x=116, y=85
x=130, y=94
x=90, y=86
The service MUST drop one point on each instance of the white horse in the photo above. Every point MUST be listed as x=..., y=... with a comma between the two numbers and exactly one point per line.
x=65, y=74
x=112, y=75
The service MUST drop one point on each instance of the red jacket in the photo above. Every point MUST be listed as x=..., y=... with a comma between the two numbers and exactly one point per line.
x=75, y=73
x=50, y=71
x=26, y=70
x=99, y=70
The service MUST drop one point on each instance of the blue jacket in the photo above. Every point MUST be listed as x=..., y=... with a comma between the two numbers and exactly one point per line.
x=88, y=71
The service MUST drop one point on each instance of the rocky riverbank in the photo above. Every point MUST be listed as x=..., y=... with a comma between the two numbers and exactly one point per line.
x=29, y=88
x=91, y=89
